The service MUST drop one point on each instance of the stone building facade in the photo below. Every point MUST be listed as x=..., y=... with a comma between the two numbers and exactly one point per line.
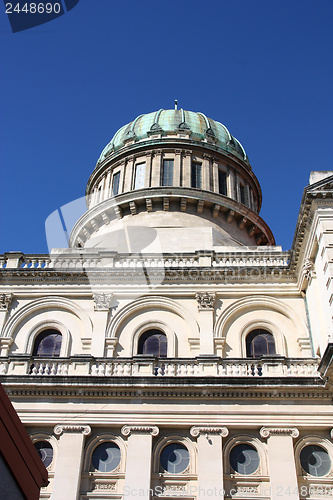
x=173, y=350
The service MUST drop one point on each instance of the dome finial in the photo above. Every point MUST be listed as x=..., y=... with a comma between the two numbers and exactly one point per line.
x=176, y=103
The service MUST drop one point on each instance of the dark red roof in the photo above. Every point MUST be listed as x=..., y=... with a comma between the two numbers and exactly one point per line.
x=19, y=452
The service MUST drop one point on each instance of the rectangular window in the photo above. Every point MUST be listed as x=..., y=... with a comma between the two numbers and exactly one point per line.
x=196, y=175
x=242, y=193
x=115, y=183
x=139, y=180
x=167, y=173
x=222, y=182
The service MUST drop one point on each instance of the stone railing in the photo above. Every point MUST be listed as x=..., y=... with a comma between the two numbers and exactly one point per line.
x=151, y=367
x=83, y=259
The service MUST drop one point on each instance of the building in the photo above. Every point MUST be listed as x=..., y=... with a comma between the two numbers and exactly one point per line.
x=173, y=350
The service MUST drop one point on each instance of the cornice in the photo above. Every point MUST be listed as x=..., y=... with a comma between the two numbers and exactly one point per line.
x=170, y=387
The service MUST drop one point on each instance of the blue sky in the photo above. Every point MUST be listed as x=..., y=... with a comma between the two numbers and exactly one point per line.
x=261, y=67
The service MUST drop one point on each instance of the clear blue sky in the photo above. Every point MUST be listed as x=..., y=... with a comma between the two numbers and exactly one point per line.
x=261, y=67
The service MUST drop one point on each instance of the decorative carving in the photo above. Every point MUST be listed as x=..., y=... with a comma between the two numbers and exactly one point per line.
x=205, y=300
x=74, y=429
x=195, y=431
x=102, y=301
x=126, y=430
x=5, y=301
x=266, y=432
x=103, y=486
x=308, y=269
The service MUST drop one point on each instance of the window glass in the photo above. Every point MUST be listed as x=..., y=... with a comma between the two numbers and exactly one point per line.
x=139, y=181
x=48, y=344
x=222, y=182
x=115, y=184
x=153, y=343
x=106, y=457
x=259, y=343
x=174, y=458
x=244, y=459
x=196, y=175
x=315, y=460
x=167, y=173
x=45, y=451
x=242, y=193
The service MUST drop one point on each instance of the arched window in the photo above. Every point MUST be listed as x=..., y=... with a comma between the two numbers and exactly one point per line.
x=315, y=460
x=48, y=344
x=174, y=458
x=45, y=452
x=259, y=343
x=244, y=459
x=106, y=456
x=153, y=343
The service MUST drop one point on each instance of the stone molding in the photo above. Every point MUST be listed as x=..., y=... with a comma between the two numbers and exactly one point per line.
x=195, y=431
x=5, y=301
x=266, y=432
x=102, y=301
x=205, y=301
x=126, y=430
x=73, y=429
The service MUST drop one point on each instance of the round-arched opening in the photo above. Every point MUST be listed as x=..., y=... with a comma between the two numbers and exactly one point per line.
x=106, y=456
x=244, y=459
x=174, y=458
x=153, y=343
x=259, y=343
x=48, y=344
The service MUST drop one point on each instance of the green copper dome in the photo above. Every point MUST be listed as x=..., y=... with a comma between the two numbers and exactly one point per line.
x=195, y=126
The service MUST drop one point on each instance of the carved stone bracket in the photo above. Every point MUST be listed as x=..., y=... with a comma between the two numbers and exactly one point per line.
x=205, y=300
x=308, y=270
x=126, y=430
x=196, y=431
x=5, y=301
x=266, y=432
x=102, y=301
x=73, y=429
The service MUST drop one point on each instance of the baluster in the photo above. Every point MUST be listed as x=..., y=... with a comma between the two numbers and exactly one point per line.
x=127, y=369
x=34, y=370
x=255, y=371
x=101, y=370
x=41, y=369
x=120, y=369
x=54, y=369
x=94, y=370
x=108, y=370
x=159, y=371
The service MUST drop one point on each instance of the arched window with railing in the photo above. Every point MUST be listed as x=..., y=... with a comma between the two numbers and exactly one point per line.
x=259, y=343
x=153, y=343
x=48, y=344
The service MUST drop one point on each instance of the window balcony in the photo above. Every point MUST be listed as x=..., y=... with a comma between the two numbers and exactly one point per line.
x=149, y=366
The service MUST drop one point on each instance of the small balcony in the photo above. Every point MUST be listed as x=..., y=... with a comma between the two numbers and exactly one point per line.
x=145, y=366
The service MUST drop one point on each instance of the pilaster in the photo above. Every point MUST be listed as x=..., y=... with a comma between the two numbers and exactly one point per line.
x=156, y=169
x=206, y=302
x=187, y=159
x=102, y=307
x=177, y=169
x=210, y=460
x=139, y=459
x=67, y=474
x=281, y=451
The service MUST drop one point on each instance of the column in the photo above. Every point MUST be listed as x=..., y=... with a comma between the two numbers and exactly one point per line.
x=177, y=169
x=156, y=169
x=139, y=459
x=206, y=302
x=102, y=307
x=187, y=160
x=128, y=174
x=210, y=461
x=281, y=462
x=205, y=172
x=67, y=474
x=231, y=184
x=149, y=161
x=215, y=176
x=5, y=301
